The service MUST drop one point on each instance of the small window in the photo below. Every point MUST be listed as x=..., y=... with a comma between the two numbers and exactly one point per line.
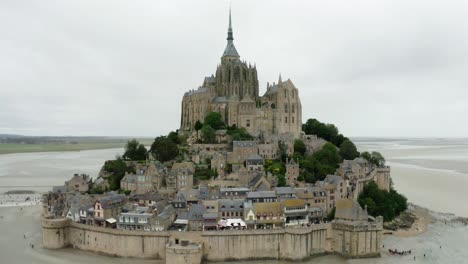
x=285, y=119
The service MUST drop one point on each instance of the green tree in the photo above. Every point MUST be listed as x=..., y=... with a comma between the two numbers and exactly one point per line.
x=198, y=126
x=134, y=150
x=208, y=134
x=174, y=137
x=348, y=150
x=299, y=147
x=375, y=158
x=381, y=202
x=164, y=149
x=328, y=132
x=204, y=173
x=323, y=162
x=281, y=180
x=239, y=133
x=366, y=155
x=117, y=169
x=378, y=159
x=215, y=120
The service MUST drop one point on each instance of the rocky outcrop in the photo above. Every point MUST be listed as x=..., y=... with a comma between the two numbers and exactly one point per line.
x=404, y=221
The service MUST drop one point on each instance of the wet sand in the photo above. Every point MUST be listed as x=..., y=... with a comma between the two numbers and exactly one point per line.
x=15, y=223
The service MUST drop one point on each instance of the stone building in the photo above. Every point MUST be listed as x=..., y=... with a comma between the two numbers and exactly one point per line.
x=295, y=212
x=218, y=163
x=234, y=92
x=139, y=183
x=268, y=151
x=181, y=175
x=355, y=234
x=254, y=162
x=241, y=150
x=335, y=187
x=312, y=143
x=292, y=172
x=108, y=208
x=78, y=183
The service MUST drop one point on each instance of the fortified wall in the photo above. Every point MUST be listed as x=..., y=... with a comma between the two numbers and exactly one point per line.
x=347, y=236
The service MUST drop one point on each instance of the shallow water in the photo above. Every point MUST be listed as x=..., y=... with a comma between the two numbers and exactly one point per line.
x=42, y=170
x=432, y=173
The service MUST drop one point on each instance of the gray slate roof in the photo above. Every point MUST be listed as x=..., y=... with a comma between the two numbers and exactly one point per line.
x=285, y=190
x=234, y=205
x=196, y=212
x=230, y=50
x=112, y=201
x=261, y=194
x=245, y=143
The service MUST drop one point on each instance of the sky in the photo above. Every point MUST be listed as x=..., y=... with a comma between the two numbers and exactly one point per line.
x=120, y=68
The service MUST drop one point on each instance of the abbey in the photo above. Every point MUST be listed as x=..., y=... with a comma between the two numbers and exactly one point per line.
x=234, y=92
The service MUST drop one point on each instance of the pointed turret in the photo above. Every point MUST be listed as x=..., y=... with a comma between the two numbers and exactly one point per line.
x=279, y=79
x=230, y=50
x=230, y=36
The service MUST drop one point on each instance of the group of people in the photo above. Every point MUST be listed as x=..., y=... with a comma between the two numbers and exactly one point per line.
x=401, y=253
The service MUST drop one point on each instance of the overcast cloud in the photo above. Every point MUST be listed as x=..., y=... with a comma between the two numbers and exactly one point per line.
x=120, y=68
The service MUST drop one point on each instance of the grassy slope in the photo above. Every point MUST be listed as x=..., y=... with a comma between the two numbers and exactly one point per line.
x=84, y=144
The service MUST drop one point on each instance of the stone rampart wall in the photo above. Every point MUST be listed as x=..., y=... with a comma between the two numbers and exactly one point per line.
x=290, y=243
x=286, y=244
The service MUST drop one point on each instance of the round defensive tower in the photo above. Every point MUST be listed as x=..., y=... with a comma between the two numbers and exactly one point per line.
x=54, y=232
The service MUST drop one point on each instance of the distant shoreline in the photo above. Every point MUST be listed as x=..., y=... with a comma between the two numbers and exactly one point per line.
x=12, y=148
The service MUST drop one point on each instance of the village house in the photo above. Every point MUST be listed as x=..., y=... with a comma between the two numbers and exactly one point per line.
x=139, y=183
x=108, y=208
x=157, y=171
x=74, y=203
x=78, y=183
x=295, y=211
x=234, y=193
x=316, y=201
x=164, y=220
x=254, y=162
x=241, y=150
x=87, y=214
x=195, y=217
x=267, y=215
x=149, y=199
x=261, y=182
x=231, y=208
x=335, y=187
x=184, y=174
x=285, y=193
x=210, y=215
x=268, y=151
x=138, y=219
x=262, y=197
x=354, y=169
x=185, y=198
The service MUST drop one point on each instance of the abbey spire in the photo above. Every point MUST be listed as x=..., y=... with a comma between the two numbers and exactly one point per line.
x=230, y=50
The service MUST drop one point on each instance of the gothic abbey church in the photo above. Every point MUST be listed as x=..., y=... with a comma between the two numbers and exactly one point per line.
x=234, y=93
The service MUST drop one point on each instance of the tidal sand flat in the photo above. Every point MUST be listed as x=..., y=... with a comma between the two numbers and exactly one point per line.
x=432, y=173
x=20, y=228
